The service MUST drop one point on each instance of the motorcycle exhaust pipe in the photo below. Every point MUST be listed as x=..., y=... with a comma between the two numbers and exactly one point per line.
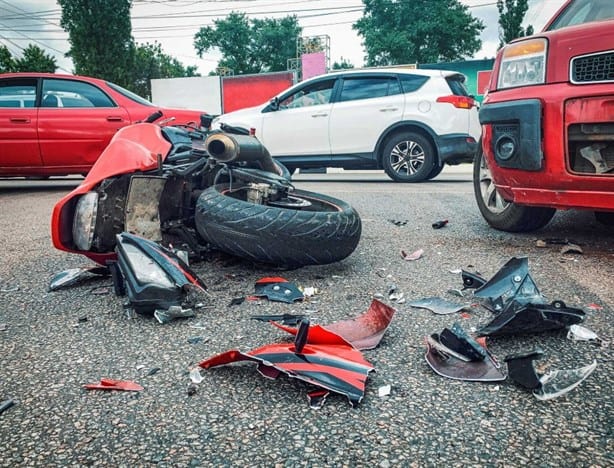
x=226, y=148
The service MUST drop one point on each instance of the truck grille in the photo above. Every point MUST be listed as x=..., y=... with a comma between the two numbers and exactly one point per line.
x=593, y=68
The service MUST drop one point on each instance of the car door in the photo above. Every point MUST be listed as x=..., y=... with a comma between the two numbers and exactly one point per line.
x=366, y=105
x=298, y=128
x=18, y=125
x=76, y=121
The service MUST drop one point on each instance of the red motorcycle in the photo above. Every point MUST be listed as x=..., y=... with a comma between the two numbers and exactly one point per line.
x=197, y=191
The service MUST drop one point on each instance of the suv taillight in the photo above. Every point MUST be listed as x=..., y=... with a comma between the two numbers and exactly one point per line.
x=460, y=102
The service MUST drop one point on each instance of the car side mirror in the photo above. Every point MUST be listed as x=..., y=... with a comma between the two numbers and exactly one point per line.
x=274, y=103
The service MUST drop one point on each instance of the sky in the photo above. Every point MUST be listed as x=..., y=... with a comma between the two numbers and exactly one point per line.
x=173, y=24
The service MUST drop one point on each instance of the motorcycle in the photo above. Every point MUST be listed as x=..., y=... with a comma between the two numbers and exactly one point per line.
x=194, y=190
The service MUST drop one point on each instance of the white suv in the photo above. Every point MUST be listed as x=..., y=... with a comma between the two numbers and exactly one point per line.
x=408, y=122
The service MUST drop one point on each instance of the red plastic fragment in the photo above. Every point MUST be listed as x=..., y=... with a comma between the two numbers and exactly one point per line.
x=111, y=384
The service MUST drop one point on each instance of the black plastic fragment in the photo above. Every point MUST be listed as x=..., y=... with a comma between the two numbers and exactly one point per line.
x=457, y=340
x=286, y=319
x=521, y=371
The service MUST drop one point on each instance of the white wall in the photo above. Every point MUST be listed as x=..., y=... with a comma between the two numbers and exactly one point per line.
x=203, y=93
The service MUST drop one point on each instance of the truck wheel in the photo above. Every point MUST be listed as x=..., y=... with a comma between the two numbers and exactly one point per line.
x=499, y=213
x=408, y=157
x=325, y=232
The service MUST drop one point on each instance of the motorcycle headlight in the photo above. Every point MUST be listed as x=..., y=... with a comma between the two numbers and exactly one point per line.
x=145, y=269
x=84, y=221
x=523, y=64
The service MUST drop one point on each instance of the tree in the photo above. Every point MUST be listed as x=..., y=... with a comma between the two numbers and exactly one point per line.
x=7, y=64
x=343, y=64
x=250, y=46
x=100, y=37
x=151, y=62
x=417, y=31
x=511, y=16
x=34, y=59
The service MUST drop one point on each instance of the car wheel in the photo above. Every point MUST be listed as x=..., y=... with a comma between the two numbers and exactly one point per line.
x=499, y=213
x=605, y=217
x=435, y=172
x=408, y=157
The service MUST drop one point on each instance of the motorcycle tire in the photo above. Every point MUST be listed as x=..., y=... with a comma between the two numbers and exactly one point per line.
x=325, y=232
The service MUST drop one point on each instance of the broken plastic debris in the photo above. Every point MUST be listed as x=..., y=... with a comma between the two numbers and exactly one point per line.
x=540, y=243
x=398, y=223
x=456, y=292
x=317, y=398
x=173, y=312
x=153, y=371
x=76, y=275
x=237, y=301
x=580, y=333
x=195, y=375
x=439, y=224
x=438, y=305
x=111, y=384
x=310, y=291
x=472, y=280
x=195, y=339
x=457, y=339
x=277, y=289
x=286, y=319
x=384, y=390
x=6, y=404
x=412, y=256
x=4, y=327
x=559, y=382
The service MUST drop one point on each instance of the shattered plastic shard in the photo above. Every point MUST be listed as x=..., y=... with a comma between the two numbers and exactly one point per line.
x=111, y=384
x=286, y=319
x=457, y=339
x=363, y=332
x=278, y=289
x=317, y=398
x=557, y=383
x=195, y=376
x=73, y=276
x=580, y=333
x=173, y=312
x=412, y=256
x=438, y=305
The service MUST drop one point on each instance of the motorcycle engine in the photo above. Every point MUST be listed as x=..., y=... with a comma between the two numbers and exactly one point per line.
x=259, y=194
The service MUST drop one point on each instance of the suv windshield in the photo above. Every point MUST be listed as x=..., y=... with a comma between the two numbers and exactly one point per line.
x=583, y=11
x=130, y=95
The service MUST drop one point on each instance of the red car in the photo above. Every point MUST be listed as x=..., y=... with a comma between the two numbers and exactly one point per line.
x=548, y=122
x=59, y=124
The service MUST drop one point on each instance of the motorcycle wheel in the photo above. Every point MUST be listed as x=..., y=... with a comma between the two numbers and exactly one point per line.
x=325, y=232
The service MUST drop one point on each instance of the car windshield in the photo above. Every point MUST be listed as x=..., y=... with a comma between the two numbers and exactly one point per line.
x=583, y=11
x=130, y=95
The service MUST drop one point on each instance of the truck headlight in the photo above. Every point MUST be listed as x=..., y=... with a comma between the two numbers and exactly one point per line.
x=523, y=64
x=84, y=221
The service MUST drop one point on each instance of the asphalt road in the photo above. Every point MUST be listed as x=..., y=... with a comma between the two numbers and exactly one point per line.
x=51, y=343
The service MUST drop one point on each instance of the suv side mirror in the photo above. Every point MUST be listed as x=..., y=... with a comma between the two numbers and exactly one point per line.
x=274, y=103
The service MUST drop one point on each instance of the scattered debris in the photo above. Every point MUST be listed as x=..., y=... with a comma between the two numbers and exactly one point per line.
x=541, y=243
x=4, y=327
x=317, y=398
x=6, y=404
x=111, y=384
x=100, y=291
x=278, y=289
x=522, y=371
x=412, y=256
x=195, y=339
x=456, y=292
x=173, y=312
x=309, y=291
x=237, y=301
x=192, y=389
x=153, y=371
x=77, y=275
x=580, y=333
x=438, y=305
x=384, y=390
x=472, y=280
x=398, y=223
x=439, y=224
x=195, y=376
x=571, y=249
x=286, y=319
x=8, y=288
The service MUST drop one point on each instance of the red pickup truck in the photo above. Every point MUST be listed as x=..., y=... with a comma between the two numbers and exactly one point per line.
x=548, y=122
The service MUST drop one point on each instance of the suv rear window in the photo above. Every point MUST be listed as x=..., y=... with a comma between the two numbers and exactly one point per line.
x=412, y=83
x=369, y=87
x=457, y=85
x=584, y=11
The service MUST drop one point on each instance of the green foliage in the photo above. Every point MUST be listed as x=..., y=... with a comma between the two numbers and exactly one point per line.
x=7, y=64
x=33, y=59
x=417, y=31
x=511, y=15
x=100, y=36
x=151, y=63
x=343, y=64
x=250, y=46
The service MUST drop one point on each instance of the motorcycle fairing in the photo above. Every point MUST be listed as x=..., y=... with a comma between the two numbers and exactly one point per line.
x=277, y=289
x=147, y=294
x=124, y=155
x=330, y=363
x=362, y=332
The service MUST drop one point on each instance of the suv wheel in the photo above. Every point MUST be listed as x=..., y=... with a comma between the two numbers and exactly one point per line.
x=499, y=213
x=408, y=157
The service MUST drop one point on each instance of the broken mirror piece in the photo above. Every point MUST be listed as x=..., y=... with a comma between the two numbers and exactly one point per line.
x=330, y=362
x=362, y=332
x=74, y=276
x=521, y=370
x=580, y=333
x=278, y=289
x=111, y=384
x=172, y=313
x=152, y=276
x=438, y=305
x=452, y=364
x=519, y=319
